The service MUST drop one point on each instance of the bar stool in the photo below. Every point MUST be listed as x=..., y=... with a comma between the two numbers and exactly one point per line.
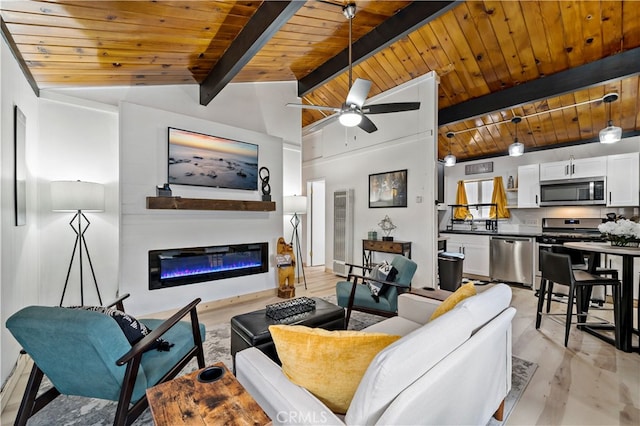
x=578, y=263
x=557, y=268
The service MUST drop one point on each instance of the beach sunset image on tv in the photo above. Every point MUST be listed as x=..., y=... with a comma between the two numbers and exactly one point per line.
x=203, y=160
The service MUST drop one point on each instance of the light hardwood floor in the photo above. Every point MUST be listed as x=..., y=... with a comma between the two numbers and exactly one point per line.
x=588, y=383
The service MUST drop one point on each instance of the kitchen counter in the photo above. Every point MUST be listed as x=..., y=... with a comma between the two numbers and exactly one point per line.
x=493, y=233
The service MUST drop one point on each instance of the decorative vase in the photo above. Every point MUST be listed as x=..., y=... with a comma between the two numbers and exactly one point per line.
x=622, y=241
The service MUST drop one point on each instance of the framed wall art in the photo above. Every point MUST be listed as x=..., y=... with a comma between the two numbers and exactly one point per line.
x=388, y=189
x=19, y=166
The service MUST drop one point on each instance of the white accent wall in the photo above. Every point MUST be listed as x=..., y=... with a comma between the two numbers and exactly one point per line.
x=344, y=158
x=143, y=165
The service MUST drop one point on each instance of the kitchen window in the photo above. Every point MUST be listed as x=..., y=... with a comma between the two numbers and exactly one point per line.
x=479, y=191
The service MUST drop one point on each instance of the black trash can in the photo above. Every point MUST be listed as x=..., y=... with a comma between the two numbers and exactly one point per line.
x=450, y=270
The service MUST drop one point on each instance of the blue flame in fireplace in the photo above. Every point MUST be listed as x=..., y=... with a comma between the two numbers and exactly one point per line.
x=177, y=267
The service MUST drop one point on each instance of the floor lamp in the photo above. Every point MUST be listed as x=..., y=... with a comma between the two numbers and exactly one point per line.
x=78, y=197
x=296, y=205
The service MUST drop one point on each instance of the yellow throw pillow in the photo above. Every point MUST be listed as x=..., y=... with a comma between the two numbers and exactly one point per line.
x=329, y=364
x=464, y=291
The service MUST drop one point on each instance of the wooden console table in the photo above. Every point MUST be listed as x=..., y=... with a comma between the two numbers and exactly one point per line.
x=396, y=247
x=186, y=401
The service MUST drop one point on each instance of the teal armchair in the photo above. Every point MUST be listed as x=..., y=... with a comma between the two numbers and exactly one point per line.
x=355, y=295
x=85, y=353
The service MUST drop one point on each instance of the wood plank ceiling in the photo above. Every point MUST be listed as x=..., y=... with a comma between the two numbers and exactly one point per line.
x=495, y=59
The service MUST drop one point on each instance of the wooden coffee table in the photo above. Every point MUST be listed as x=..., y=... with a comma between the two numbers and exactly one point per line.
x=187, y=401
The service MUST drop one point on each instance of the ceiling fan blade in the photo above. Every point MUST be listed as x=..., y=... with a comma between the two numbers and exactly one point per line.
x=358, y=93
x=393, y=107
x=318, y=107
x=367, y=125
x=319, y=124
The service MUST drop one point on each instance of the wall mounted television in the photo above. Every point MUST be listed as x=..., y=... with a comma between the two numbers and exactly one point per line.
x=197, y=159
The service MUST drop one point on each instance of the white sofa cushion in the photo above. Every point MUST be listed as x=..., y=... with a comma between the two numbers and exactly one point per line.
x=487, y=304
x=401, y=363
x=396, y=326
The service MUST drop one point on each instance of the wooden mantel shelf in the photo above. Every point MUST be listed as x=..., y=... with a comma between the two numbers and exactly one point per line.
x=179, y=203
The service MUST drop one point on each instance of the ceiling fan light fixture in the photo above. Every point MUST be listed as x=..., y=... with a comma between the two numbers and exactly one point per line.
x=350, y=118
x=611, y=133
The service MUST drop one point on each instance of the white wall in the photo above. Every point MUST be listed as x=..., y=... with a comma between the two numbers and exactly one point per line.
x=19, y=248
x=143, y=164
x=77, y=142
x=344, y=158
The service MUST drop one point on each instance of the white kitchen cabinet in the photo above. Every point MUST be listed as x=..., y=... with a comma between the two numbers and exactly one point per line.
x=623, y=180
x=574, y=169
x=529, y=186
x=476, y=252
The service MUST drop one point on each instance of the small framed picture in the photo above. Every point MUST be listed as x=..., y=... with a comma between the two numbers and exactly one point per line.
x=388, y=189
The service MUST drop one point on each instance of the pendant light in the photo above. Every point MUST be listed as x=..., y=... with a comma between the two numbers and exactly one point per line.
x=611, y=133
x=516, y=149
x=450, y=159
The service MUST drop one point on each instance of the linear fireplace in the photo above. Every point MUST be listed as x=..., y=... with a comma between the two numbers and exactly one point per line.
x=174, y=267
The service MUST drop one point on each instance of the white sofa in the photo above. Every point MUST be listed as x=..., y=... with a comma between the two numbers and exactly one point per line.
x=455, y=369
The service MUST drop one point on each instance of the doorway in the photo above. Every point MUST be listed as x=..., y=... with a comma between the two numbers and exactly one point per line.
x=316, y=222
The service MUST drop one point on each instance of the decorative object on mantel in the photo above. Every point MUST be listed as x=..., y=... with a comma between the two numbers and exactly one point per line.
x=622, y=233
x=372, y=235
x=474, y=169
x=387, y=227
x=285, y=262
x=78, y=197
x=163, y=191
x=263, y=173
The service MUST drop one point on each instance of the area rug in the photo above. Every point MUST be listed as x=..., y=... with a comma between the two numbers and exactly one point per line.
x=79, y=411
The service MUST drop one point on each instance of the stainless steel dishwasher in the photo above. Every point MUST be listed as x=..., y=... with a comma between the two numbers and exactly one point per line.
x=511, y=259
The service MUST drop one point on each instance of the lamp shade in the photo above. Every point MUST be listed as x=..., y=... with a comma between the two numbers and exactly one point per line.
x=295, y=204
x=73, y=195
x=450, y=160
x=610, y=134
x=516, y=149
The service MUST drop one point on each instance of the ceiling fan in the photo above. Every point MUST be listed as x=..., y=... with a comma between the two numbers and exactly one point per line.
x=352, y=112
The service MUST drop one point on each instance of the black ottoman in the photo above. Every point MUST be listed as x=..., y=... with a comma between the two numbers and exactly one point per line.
x=252, y=329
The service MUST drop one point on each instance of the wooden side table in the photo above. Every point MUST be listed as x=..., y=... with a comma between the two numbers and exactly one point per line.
x=395, y=247
x=187, y=401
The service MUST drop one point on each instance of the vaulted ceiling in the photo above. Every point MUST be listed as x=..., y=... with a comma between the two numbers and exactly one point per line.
x=549, y=61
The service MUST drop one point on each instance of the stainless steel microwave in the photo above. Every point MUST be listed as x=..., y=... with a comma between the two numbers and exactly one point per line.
x=573, y=192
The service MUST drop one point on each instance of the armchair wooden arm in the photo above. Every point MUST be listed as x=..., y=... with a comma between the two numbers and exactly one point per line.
x=133, y=358
x=150, y=338
x=118, y=302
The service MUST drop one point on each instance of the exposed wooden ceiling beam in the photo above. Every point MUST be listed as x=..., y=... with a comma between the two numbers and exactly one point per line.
x=412, y=17
x=613, y=67
x=268, y=19
x=16, y=54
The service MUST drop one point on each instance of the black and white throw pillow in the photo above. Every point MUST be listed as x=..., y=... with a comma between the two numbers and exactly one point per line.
x=133, y=329
x=384, y=272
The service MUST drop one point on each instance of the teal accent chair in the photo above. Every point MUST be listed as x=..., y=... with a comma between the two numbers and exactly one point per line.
x=85, y=353
x=355, y=295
